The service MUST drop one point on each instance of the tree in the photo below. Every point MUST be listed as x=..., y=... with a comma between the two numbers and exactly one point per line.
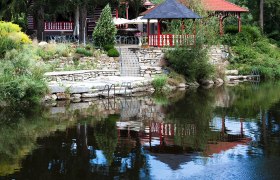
x=105, y=30
x=261, y=14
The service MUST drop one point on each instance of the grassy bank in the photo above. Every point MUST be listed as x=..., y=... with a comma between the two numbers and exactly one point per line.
x=252, y=50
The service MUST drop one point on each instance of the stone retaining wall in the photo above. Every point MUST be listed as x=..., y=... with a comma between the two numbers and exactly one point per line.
x=150, y=61
x=79, y=75
x=218, y=54
x=150, y=57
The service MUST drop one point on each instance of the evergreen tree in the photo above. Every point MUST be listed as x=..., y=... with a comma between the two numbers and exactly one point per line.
x=105, y=30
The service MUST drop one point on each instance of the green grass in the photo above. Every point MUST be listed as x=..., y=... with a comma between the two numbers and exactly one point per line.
x=84, y=52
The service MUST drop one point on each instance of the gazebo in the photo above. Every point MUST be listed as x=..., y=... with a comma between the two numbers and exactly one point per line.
x=223, y=9
x=168, y=10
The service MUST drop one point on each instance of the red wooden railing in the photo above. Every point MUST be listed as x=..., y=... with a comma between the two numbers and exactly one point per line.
x=59, y=26
x=171, y=40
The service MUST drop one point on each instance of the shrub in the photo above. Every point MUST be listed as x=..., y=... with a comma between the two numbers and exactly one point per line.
x=252, y=50
x=248, y=35
x=11, y=37
x=13, y=31
x=193, y=63
x=105, y=30
x=6, y=44
x=21, y=78
x=108, y=47
x=113, y=53
x=84, y=52
x=159, y=82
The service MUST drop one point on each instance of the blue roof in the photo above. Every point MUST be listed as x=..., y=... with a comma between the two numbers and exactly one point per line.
x=171, y=9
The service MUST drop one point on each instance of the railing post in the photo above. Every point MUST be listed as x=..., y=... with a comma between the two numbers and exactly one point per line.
x=148, y=31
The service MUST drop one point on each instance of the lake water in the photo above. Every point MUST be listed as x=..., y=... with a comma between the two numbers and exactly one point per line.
x=218, y=133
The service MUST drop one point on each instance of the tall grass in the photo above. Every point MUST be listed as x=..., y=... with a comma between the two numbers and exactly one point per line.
x=159, y=82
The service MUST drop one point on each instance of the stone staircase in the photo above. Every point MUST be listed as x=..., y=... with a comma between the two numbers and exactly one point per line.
x=129, y=63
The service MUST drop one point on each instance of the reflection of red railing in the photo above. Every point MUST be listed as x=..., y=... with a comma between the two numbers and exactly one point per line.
x=171, y=40
x=59, y=26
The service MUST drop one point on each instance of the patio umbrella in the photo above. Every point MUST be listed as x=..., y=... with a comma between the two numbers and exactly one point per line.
x=139, y=20
x=118, y=21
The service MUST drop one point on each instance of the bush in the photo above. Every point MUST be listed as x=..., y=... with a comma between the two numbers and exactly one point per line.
x=252, y=50
x=11, y=37
x=7, y=44
x=159, y=82
x=108, y=47
x=113, y=53
x=84, y=52
x=193, y=63
x=248, y=35
x=21, y=78
x=13, y=31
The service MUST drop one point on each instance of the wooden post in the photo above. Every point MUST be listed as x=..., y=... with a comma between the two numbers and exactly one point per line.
x=126, y=11
x=148, y=32
x=117, y=12
x=239, y=22
x=158, y=33
x=221, y=25
x=194, y=33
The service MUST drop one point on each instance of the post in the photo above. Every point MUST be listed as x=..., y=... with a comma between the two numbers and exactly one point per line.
x=148, y=31
x=84, y=35
x=221, y=25
x=85, y=31
x=117, y=12
x=158, y=31
x=126, y=10
x=239, y=22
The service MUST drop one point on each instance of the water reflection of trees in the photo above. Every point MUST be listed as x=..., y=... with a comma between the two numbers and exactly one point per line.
x=249, y=101
x=106, y=136
x=195, y=110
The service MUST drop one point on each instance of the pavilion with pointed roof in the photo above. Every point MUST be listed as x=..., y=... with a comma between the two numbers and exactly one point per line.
x=168, y=10
x=219, y=8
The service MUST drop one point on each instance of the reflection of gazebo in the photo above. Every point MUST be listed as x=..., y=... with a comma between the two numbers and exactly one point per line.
x=170, y=9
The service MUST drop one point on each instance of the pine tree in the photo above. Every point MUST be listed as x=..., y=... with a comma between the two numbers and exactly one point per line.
x=105, y=30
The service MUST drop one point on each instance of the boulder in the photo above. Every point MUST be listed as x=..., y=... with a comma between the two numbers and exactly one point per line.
x=54, y=97
x=206, y=82
x=218, y=81
x=90, y=95
x=43, y=44
x=62, y=96
x=181, y=85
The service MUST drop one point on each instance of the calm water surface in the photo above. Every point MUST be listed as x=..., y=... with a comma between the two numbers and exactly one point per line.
x=219, y=133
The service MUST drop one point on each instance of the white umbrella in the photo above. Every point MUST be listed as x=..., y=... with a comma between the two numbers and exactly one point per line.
x=139, y=20
x=118, y=21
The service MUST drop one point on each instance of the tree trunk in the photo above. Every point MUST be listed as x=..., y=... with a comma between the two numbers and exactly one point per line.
x=83, y=16
x=40, y=23
x=261, y=14
x=77, y=22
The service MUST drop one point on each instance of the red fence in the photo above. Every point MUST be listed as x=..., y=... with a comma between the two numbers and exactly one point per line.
x=59, y=26
x=171, y=40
